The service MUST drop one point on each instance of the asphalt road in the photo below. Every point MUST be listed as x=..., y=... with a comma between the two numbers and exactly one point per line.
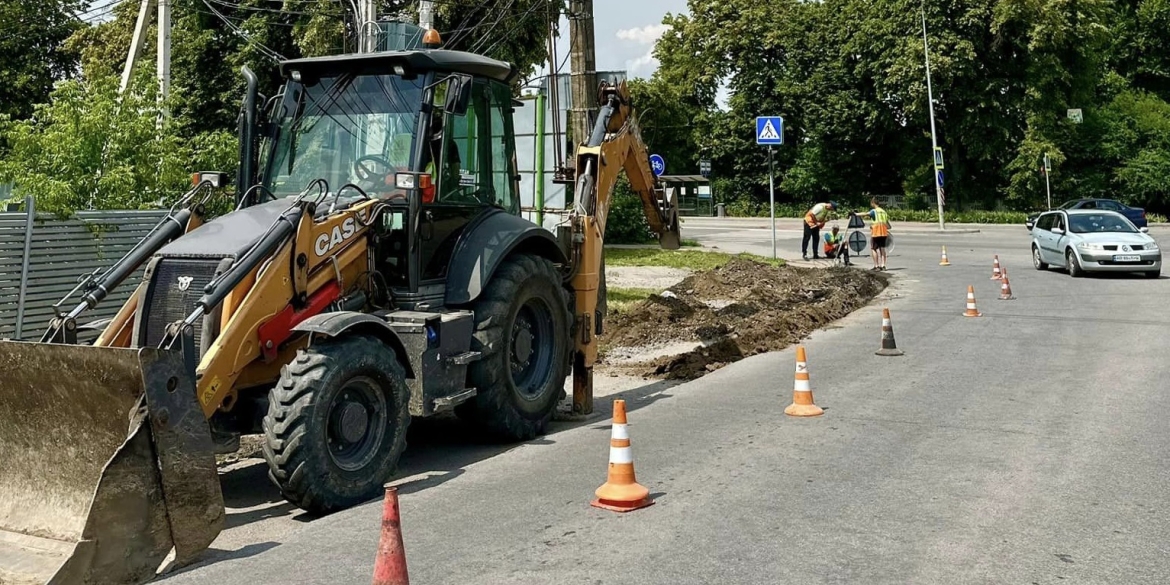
x=1026, y=446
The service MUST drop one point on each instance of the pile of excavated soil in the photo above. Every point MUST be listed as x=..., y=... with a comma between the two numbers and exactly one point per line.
x=738, y=310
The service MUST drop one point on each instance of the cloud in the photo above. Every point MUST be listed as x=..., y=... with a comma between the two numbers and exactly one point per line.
x=645, y=35
x=645, y=64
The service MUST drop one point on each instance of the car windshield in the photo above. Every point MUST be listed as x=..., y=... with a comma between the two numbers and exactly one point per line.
x=1087, y=223
x=345, y=129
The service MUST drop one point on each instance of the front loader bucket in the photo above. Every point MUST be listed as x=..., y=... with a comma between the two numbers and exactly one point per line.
x=106, y=464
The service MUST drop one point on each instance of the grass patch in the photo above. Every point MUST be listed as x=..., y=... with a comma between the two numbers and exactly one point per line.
x=691, y=244
x=688, y=259
x=619, y=299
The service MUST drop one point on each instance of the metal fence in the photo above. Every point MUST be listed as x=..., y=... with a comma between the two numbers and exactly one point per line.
x=42, y=258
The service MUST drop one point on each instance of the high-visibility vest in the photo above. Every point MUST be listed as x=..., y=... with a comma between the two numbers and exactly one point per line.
x=881, y=223
x=832, y=242
x=817, y=215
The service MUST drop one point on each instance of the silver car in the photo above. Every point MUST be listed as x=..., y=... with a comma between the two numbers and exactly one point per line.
x=1092, y=240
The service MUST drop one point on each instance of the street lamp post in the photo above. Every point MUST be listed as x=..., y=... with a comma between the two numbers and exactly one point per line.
x=938, y=188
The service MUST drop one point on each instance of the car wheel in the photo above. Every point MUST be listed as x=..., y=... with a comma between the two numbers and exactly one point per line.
x=1036, y=261
x=1074, y=265
x=1153, y=273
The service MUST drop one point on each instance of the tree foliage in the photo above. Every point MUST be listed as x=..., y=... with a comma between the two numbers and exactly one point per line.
x=848, y=76
x=86, y=149
x=32, y=58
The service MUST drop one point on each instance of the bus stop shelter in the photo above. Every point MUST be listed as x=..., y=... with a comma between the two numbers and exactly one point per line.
x=695, y=197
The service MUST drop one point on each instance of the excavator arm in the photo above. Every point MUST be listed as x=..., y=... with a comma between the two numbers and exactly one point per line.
x=614, y=146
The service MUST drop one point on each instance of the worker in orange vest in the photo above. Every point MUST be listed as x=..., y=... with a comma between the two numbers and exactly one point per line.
x=879, y=233
x=814, y=220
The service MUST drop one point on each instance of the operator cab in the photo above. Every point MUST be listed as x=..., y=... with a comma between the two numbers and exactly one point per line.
x=429, y=132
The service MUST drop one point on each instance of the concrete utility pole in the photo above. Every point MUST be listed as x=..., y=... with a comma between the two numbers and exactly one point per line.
x=426, y=15
x=368, y=32
x=136, y=42
x=938, y=188
x=164, y=45
x=164, y=49
x=583, y=64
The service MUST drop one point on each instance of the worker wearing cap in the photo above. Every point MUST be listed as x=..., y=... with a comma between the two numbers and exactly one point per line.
x=814, y=220
x=834, y=245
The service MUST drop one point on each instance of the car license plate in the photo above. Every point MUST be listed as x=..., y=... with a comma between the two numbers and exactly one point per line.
x=1127, y=258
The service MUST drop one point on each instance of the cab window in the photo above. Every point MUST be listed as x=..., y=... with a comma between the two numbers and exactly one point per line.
x=1045, y=222
x=459, y=142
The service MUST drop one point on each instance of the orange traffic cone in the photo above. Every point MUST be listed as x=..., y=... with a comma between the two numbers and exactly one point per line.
x=889, y=346
x=621, y=492
x=802, y=398
x=390, y=564
x=1005, y=290
x=944, y=261
x=971, y=310
x=996, y=273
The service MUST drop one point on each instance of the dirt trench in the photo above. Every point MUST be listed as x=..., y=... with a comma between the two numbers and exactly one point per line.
x=720, y=316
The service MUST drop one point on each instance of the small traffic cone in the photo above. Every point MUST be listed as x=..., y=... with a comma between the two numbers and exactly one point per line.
x=996, y=273
x=802, y=398
x=1005, y=290
x=889, y=346
x=971, y=310
x=944, y=261
x=390, y=564
x=621, y=492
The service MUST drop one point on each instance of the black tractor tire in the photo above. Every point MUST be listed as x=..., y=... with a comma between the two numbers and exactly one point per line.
x=523, y=329
x=336, y=423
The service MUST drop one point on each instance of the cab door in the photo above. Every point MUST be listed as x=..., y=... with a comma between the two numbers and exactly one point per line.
x=476, y=173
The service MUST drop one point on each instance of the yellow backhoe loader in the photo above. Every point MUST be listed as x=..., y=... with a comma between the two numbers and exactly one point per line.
x=376, y=268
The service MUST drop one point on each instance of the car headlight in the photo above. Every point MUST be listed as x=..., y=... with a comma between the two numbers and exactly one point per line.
x=1152, y=245
x=1090, y=246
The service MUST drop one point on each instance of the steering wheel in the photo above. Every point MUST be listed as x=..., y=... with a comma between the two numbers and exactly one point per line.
x=365, y=173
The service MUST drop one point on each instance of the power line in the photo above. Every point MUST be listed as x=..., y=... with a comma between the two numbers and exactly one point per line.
x=519, y=22
x=267, y=52
x=482, y=40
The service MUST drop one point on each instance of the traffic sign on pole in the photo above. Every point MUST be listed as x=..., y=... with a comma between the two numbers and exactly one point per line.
x=705, y=167
x=938, y=159
x=658, y=165
x=770, y=130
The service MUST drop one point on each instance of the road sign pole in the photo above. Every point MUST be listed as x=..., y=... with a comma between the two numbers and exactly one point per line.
x=772, y=200
x=1048, y=188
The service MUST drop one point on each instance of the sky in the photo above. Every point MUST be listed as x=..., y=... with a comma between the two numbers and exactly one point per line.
x=625, y=31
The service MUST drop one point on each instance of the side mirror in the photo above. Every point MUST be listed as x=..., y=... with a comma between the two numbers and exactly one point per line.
x=1056, y=230
x=459, y=88
x=1144, y=230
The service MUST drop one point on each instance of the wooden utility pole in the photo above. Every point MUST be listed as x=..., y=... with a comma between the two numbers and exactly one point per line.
x=583, y=64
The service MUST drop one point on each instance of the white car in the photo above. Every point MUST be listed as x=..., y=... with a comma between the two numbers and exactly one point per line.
x=1092, y=240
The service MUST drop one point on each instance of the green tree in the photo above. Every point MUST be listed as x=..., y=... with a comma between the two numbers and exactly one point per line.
x=86, y=149
x=32, y=56
x=213, y=39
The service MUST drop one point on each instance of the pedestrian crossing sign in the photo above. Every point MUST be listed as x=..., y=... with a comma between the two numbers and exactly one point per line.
x=770, y=130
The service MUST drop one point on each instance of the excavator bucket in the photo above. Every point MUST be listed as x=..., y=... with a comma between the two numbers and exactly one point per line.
x=106, y=465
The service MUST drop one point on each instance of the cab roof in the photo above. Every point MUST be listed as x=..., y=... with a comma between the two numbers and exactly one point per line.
x=413, y=62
